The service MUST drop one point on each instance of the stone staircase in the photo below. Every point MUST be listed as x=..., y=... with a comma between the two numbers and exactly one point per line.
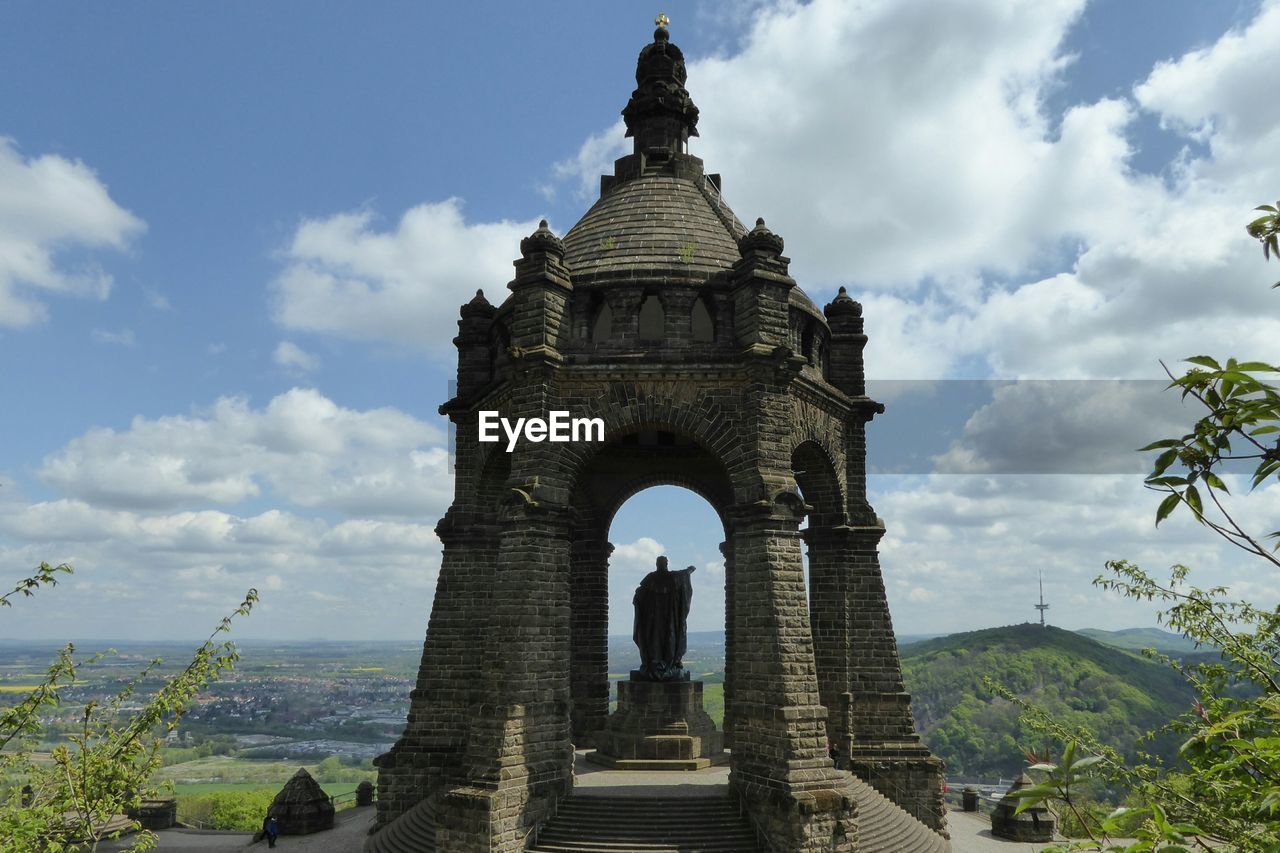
x=615, y=824
x=412, y=832
x=883, y=827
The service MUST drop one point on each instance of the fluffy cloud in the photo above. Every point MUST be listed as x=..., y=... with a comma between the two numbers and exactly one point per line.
x=978, y=544
x=198, y=564
x=49, y=205
x=167, y=516
x=345, y=277
x=301, y=448
x=909, y=151
x=1038, y=427
x=294, y=358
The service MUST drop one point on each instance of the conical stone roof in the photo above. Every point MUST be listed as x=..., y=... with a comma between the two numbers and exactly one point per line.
x=654, y=226
x=302, y=806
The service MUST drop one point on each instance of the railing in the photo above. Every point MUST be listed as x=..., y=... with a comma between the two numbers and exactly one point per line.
x=350, y=797
x=762, y=838
x=531, y=831
x=902, y=795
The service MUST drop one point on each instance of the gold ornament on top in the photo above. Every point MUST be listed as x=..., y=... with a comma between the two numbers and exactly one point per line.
x=662, y=20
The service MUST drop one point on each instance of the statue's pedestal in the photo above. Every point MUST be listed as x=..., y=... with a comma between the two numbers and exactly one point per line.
x=659, y=725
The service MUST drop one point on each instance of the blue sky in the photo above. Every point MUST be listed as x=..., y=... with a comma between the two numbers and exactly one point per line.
x=233, y=240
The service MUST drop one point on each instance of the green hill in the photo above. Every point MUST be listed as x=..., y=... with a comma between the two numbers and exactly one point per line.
x=1117, y=694
x=1137, y=639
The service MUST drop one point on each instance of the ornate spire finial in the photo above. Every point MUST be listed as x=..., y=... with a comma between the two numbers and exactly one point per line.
x=662, y=20
x=843, y=304
x=542, y=240
x=660, y=115
x=760, y=240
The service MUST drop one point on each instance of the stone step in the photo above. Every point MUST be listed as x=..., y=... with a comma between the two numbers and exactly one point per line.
x=594, y=824
x=413, y=832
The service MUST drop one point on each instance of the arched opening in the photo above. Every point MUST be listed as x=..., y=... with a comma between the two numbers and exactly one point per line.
x=643, y=494
x=806, y=341
x=680, y=524
x=653, y=319
x=818, y=483
x=701, y=327
x=601, y=318
x=499, y=343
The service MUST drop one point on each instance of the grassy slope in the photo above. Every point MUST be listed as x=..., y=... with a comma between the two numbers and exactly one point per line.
x=1116, y=694
x=1136, y=639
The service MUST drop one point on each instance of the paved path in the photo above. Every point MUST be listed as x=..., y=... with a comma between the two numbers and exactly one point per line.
x=970, y=833
x=347, y=836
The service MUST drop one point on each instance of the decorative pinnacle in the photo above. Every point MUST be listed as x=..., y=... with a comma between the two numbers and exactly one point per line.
x=478, y=306
x=542, y=240
x=843, y=304
x=662, y=20
x=760, y=239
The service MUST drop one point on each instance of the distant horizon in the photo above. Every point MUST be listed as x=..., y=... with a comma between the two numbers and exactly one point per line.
x=418, y=641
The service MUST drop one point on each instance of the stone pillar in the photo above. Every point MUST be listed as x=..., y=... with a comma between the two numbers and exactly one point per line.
x=829, y=597
x=780, y=766
x=589, y=633
x=426, y=758
x=884, y=749
x=726, y=549
x=519, y=761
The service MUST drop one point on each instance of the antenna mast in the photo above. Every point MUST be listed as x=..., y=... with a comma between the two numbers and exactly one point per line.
x=1042, y=607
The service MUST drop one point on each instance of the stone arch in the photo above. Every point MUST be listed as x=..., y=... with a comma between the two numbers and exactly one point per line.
x=495, y=471
x=701, y=327
x=698, y=486
x=600, y=484
x=665, y=406
x=499, y=348
x=807, y=334
x=819, y=483
x=600, y=318
x=652, y=318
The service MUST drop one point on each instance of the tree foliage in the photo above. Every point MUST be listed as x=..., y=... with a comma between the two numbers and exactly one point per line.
x=1228, y=794
x=75, y=797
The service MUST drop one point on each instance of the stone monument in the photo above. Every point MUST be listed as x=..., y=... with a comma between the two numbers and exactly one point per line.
x=660, y=629
x=1037, y=823
x=660, y=723
x=682, y=331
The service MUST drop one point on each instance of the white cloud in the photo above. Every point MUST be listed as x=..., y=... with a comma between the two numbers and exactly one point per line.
x=909, y=152
x=301, y=448
x=594, y=158
x=294, y=358
x=1091, y=427
x=48, y=206
x=344, y=277
x=978, y=543
x=199, y=564
x=123, y=338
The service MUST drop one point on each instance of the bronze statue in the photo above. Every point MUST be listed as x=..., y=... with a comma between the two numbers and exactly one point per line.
x=662, y=606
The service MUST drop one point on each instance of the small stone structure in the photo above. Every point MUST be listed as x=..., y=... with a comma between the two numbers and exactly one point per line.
x=364, y=793
x=302, y=807
x=156, y=813
x=1034, y=824
x=659, y=725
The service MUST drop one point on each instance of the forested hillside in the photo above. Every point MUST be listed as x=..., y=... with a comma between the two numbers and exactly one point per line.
x=1117, y=694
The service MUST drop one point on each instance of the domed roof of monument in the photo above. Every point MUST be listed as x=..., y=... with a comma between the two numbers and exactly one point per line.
x=654, y=225
x=659, y=218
